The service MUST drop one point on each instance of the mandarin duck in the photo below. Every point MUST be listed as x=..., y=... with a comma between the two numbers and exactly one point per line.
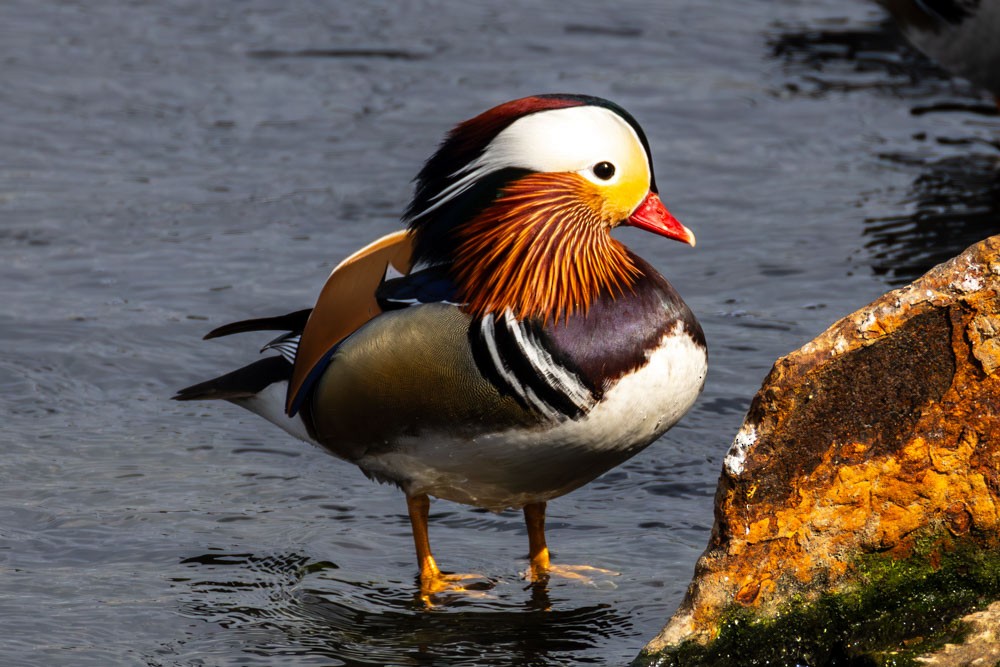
x=503, y=349
x=962, y=35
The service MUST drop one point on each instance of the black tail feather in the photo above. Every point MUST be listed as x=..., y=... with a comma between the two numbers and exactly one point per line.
x=294, y=322
x=242, y=383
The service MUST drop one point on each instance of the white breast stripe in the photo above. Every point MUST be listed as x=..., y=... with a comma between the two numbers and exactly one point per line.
x=554, y=374
x=527, y=394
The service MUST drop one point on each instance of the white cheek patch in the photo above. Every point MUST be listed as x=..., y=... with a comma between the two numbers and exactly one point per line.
x=573, y=139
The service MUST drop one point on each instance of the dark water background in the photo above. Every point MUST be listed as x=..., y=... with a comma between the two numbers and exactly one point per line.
x=167, y=167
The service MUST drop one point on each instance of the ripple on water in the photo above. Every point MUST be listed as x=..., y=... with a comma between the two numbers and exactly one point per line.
x=954, y=200
x=952, y=204
x=292, y=606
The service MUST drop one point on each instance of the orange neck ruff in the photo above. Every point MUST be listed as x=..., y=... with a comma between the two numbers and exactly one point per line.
x=541, y=249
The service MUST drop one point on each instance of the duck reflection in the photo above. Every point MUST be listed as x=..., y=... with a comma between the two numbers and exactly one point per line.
x=287, y=605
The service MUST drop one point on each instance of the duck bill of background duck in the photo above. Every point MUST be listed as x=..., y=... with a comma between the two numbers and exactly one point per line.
x=653, y=216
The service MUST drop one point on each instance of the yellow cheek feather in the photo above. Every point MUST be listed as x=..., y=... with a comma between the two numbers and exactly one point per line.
x=615, y=200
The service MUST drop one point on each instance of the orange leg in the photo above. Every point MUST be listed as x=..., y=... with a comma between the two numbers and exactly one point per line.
x=419, y=508
x=538, y=552
x=431, y=579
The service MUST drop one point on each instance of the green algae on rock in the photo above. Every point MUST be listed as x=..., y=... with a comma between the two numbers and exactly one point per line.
x=896, y=611
x=857, y=513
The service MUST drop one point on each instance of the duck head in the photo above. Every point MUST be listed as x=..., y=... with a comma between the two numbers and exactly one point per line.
x=519, y=202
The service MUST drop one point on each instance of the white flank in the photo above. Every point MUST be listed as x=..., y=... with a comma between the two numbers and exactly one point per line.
x=633, y=413
x=269, y=403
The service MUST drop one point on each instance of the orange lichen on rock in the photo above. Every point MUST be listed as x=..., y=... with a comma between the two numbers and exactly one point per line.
x=883, y=428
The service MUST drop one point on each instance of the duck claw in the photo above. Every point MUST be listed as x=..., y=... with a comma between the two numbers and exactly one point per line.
x=439, y=584
x=585, y=574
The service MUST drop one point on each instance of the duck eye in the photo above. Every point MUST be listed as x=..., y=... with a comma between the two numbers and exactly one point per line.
x=604, y=170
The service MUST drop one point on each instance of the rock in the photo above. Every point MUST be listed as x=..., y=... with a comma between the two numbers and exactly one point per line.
x=980, y=647
x=857, y=511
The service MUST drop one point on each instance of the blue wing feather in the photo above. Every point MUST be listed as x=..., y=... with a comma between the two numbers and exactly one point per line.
x=430, y=285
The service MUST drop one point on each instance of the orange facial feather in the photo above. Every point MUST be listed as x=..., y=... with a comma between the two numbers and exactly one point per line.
x=542, y=249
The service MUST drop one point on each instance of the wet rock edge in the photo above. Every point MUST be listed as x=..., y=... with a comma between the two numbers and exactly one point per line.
x=883, y=602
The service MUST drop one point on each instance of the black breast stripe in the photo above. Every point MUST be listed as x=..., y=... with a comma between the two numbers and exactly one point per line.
x=509, y=354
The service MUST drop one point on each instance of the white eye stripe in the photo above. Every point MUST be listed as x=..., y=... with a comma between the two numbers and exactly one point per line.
x=570, y=139
x=573, y=139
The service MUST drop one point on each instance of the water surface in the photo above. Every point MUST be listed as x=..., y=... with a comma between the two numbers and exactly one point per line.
x=172, y=166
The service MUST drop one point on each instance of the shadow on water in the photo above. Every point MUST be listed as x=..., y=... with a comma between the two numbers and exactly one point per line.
x=286, y=605
x=954, y=201
x=818, y=62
